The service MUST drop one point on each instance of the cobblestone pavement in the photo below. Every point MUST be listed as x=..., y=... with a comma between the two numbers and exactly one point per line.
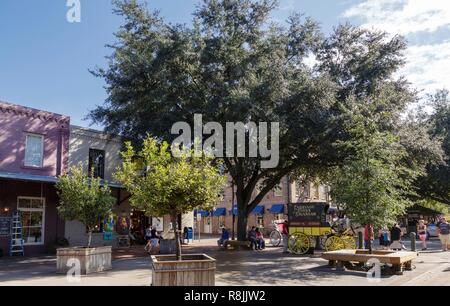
x=234, y=268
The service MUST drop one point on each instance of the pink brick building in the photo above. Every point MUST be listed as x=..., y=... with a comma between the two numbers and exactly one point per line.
x=34, y=148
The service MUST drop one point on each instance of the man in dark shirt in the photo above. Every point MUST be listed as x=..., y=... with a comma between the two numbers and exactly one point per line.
x=252, y=238
x=396, y=237
x=224, y=238
x=396, y=233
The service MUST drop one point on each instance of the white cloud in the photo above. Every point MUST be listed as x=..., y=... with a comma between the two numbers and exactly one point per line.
x=428, y=65
x=310, y=60
x=402, y=16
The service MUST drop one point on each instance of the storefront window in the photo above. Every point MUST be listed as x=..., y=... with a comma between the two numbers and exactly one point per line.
x=302, y=189
x=32, y=211
x=34, y=149
x=221, y=222
x=278, y=190
x=98, y=228
x=97, y=162
x=259, y=221
x=279, y=217
x=316, y=189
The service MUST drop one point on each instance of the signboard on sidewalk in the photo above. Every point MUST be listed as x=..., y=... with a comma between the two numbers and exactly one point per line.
x=5, y=226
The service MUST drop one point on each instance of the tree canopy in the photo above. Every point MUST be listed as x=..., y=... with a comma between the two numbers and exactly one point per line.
x=161, y=183
x=84, y=198
x=233, y=64
x=435, y=184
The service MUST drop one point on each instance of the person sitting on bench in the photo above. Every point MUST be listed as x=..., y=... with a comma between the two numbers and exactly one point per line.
x=252, y=238
x=260, y=243
x=224, y=238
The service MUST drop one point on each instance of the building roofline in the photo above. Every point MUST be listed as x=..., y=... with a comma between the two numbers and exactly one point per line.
x=79, y=130
x=6, y=107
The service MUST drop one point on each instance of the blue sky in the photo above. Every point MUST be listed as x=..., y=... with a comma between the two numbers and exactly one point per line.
x=44, y=59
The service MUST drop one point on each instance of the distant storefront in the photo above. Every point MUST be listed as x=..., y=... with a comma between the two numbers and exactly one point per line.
x=33, y=152
x=416, y=213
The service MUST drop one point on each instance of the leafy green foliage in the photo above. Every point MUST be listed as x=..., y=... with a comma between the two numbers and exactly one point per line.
x=162, y=183
x=235, y=65
x=374, y=184
x=84, y=198
x=435, y=185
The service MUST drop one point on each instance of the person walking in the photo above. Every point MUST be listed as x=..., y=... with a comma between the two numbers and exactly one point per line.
x=147, y=238
x=285, y=235
x=384, y=238
x=154, y=240
x=368, y=236
x=444, y=234
x=422, y=231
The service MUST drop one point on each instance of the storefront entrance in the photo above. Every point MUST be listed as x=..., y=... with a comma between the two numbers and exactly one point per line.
x=139, y=223
x=207, y=225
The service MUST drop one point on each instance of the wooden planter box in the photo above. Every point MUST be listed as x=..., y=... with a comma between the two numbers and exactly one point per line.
x=192, y=270
x=91, y=259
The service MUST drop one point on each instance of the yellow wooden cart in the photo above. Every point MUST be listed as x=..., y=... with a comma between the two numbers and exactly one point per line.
x=308, y=224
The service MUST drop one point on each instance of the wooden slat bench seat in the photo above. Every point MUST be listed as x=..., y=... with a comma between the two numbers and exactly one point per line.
x=399, y=260
x=237, y=245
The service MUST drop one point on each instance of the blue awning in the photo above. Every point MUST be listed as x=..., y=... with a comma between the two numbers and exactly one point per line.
x=277, y=209
x=220, y=212
x=234, y=211
x=259, y=210
x=28, y=177
x=202, y=213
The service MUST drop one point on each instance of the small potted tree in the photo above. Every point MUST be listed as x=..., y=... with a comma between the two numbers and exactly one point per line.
x=173, y=183
x=83, y=198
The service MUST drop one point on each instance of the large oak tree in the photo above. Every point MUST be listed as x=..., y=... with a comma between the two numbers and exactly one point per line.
x=233, y=64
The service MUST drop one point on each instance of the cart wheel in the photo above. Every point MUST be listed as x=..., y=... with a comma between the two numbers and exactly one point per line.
x=275, y=238
x=334, y=243
x=349, y=242
x=299, y=243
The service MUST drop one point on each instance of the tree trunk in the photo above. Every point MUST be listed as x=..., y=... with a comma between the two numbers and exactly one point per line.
x=242, y=224
x=370, y=246
x=89, y=238
x=173, y=219
x=233, y=236
x=370, y=240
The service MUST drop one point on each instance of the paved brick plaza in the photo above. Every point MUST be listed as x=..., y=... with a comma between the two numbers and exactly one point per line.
x=234, y=268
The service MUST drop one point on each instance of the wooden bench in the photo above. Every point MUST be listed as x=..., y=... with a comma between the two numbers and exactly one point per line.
x=400, y=261
x=237, y=245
